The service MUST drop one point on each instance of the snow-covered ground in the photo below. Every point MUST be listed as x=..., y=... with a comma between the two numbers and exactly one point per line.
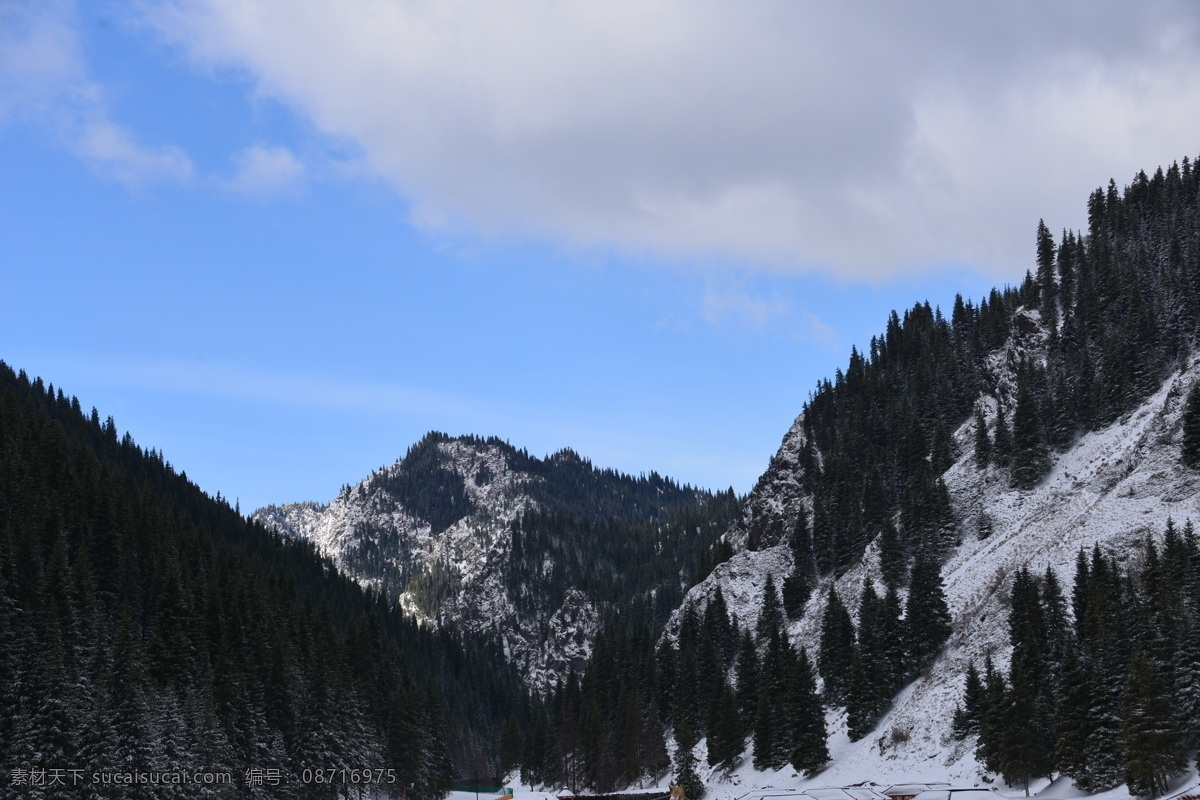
x=1114, y=488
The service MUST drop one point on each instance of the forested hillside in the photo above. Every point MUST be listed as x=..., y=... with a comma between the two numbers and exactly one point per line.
x=858, y=512
x=535, y=554
x=147, y=628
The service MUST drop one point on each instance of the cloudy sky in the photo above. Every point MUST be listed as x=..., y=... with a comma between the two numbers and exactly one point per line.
x=281, y=239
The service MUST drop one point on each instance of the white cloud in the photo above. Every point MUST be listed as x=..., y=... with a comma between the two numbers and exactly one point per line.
x=111, y=149
x=731, y=303
x=861, y=138
x=267, y=171
x=43, y=80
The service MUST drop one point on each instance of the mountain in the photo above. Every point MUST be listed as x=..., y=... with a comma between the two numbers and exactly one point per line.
x=1005, y=491
x=473, y=535
x=1113, y=489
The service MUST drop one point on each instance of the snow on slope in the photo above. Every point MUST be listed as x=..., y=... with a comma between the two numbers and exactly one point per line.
x=473, y=550
x=1114, y=488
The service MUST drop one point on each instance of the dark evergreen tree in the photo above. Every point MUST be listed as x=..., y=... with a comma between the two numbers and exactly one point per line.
x=967, y=715
x=746, y=674
x=989, y=749
x=685, y=764
x=860, y=698
x=1030, y=456
x=893, y=561
x=770, y=616
x=837, y=649
x=983, y=442
x=1190, y=449
x=1002, y=443
x=1073, y=722
x=727, y=737
x=927, y=617
x=772, y=721
x=810, y=751
x=1047, y=286
x=1154, y=744
x=796, y=591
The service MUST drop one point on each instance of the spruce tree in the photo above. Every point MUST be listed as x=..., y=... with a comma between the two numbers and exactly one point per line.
x=772, y=722
x=927, y=617
x=796, y=591
x=726, y=736
x=891, y=638
x=1030, y=457
x=1154, y=744
x=966, y=718
x=989, y=749
x=983, y=442
x=837, y=649
x=810, y=751
x=1002, y=443
x=1190, y=449
x=893, y=563
x=746, y=673
x=1047, y=288
x=1026, y=741
x=1073, y=721
x=685, y=763
x=770, y=616
x=860, y=699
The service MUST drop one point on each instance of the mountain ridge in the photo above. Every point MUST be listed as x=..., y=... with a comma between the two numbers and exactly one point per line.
x=439, y=531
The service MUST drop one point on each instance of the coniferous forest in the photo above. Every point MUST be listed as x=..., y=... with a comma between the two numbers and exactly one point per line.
x=1106, y=694
x=1119, y=304
x=146, y=627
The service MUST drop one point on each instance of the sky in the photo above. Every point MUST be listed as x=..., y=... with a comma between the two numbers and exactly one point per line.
x=280, y=240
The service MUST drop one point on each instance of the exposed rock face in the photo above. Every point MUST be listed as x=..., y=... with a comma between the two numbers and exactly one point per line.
x=434, y=531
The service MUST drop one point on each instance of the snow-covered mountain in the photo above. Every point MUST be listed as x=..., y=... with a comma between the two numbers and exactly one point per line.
x=1112, y=488
x=435, y=531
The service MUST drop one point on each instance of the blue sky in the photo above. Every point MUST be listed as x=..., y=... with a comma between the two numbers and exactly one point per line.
x=282, y=241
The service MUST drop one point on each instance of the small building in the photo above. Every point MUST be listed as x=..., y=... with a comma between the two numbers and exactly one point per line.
x=952, y=793
x=907, y=791
x=825, y=793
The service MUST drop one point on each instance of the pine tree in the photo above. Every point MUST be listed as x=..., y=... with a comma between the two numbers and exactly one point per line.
x=869, y=685
x=983, y=442
x=1002, y=443
x=772, y=722
x=837, y=649
x=989, y=749
x=685, y=763
x=1190, y=449
x=893, y=563
x=796, y=591
x=860, y=699
x=1030, y=457
x=1047, y=288
x=726, y=736
x=810, y=751
x=891, y=639
x=770, y=616
x=927, y=617
x=1026, y=742
x=1073, y=722
x=688, y=705
x=966, y=718
x=746, y=674
x=1155, y=748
